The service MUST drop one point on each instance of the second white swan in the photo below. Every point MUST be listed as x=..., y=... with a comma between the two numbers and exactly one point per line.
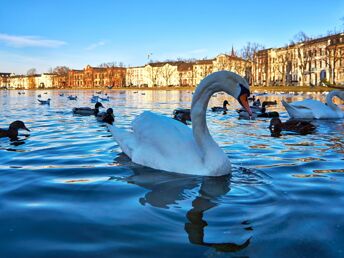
x=163, y=143
x=314, y=109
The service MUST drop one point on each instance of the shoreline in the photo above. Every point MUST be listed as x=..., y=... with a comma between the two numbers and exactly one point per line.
x=252, y=88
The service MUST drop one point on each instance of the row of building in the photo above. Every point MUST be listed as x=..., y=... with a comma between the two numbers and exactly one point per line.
x=311, y=62
x=155, y=74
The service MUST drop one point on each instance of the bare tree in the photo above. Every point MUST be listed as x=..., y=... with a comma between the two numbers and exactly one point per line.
x=130, y=77
x=153, y=74
x=61, y=70
x=301, y=37
x=166, y=72
x=247, y=52
x=334, y=54
x=32, y=71
x=306, y=56
x=281, y=65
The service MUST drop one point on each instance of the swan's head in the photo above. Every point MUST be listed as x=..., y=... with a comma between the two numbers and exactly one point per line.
x=238, y=87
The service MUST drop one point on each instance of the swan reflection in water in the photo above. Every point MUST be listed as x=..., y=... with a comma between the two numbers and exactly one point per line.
x=168, y=188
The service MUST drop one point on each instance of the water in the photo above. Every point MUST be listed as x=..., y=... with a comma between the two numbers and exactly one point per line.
x=67, y=191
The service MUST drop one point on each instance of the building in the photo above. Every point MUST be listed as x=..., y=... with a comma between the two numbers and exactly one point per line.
x=308, y=63
x=201, y=69
x=76, y=78
x=97, y=77
x=4, y=80
x=44, y=81
x=186, y=74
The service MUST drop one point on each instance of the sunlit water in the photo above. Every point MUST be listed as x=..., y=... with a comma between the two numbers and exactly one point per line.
x=67, y=191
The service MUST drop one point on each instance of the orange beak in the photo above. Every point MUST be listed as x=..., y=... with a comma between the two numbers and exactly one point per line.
x=244, y=102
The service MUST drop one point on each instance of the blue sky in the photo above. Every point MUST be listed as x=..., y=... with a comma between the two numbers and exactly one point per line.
x=42, y=34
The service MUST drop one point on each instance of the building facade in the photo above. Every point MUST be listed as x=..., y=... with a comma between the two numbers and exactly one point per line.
x=310, y=63
x=5, y=80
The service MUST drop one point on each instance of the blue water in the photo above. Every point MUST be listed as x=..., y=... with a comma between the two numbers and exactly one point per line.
x=67, y=191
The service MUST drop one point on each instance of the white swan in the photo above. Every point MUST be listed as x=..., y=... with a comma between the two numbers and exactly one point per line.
x=163, y=143
x=313, y=109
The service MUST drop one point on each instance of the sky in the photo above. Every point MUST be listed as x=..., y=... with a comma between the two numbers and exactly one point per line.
x=43, y=34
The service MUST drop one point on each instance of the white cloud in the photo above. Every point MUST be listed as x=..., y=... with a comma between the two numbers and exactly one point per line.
x=29, y=41
x=95, y=45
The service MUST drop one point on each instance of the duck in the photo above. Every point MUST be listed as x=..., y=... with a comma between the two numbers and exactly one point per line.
x=269, y=103
x=94, y=99
x=182, y=115
x=162, y=143
x=86, y=111
x=107, y=117
x=221, y=109
x=267, y=114
x=44, y=102
x=297, y=126
x=12, y=131
x=71, y=97
x=61, y=94
x=314, y=109
x=104, y=98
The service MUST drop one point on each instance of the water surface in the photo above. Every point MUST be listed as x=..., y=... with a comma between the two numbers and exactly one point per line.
x=66, y=190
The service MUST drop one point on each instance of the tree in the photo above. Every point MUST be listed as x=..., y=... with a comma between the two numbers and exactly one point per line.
x=166, y=72
x=32, y=71
x=300, y=37
x=111, y=64
x=61, y=70
x=248, y=52
x=334, y=54
x=153, y=74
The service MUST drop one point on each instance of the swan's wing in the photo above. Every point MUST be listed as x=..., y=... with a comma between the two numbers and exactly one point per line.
x=164, y=143
x=124, y=138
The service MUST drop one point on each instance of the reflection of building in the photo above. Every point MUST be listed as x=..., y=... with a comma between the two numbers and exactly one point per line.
x=305, y=63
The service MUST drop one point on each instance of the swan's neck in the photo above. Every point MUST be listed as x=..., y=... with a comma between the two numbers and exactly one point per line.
x=211, y=153
x=329, y=99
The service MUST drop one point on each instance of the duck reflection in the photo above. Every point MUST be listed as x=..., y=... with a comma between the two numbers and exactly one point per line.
x=168, y=188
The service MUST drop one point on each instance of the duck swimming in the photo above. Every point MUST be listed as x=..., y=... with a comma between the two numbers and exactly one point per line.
x=313, y=109
x=296, y=126
x=71, y=97
x=44, y=102
x=12, y=131
x=86, y=111
x=182, y=115
x=221, y=109
x=163, y=143
x=107, y=117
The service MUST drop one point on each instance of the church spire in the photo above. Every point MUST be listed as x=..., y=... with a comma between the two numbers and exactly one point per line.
x=233, y=52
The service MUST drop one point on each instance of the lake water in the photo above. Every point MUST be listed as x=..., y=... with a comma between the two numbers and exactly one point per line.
x=67, y=191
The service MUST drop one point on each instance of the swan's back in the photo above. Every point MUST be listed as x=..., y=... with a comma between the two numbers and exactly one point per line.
x=318, y=109
x=164, y=143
